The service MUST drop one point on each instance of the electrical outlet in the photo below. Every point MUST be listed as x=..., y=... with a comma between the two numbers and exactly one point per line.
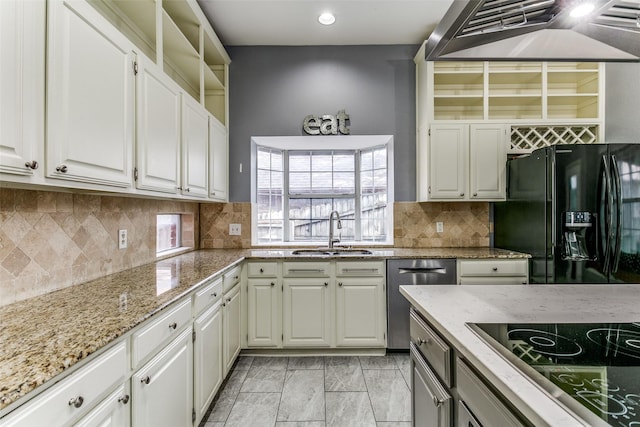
x=439, y=227
x=122, y=239
x=235, y=229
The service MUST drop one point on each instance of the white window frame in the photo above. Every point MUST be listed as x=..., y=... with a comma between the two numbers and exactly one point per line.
x=322, y=143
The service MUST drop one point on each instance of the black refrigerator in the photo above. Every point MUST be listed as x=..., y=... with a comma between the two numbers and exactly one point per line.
x=576, y=210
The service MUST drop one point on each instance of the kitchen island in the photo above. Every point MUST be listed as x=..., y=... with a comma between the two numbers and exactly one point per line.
x=449, y=310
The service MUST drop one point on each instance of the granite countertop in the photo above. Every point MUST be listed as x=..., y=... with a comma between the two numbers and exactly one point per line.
x=450, y=308
x=43, y=336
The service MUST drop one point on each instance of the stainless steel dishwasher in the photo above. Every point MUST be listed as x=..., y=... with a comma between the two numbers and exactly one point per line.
x=411, y=272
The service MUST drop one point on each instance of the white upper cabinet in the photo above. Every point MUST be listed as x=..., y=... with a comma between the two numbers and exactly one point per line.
x=158, y=129
x=90, y=102
x=218, y=161
x=22, y=49
x=487, y=161
x=195, y=148
x=448, y=161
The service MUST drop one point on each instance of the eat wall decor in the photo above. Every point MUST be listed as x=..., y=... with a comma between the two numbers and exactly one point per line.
x=327, y=124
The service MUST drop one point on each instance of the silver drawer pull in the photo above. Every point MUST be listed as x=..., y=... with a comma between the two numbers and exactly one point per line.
x=306, y=270
x=173, y=325
x=145, y=380
x=76, y=402
x=423, y=341
x=357, y=270
x=124, y=399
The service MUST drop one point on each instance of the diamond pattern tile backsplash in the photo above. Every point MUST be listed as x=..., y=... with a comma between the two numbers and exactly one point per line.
x=51, y=240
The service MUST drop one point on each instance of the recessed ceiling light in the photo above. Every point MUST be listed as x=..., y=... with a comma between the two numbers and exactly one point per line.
x=326, y=18
x=582, y=9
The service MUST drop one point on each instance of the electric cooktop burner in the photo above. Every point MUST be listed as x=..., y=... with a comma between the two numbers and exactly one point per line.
x=597, y=365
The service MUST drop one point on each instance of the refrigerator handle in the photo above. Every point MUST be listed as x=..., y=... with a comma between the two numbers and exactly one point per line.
x=607, y=219
x=618, y=208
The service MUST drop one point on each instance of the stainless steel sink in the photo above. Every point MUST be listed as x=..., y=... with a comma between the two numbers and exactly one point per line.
x=331, y=251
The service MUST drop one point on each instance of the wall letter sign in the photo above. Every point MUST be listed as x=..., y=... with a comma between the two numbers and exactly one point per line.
x=326, y=124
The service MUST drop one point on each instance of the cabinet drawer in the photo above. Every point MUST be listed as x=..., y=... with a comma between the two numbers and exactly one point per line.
x=485, y=405
x=360, y=268
x=262, y=269
x=498, y=280
x=432, y=347
x=306, y=269
x=493, y=268
x=211, y=293
x=231, y=277
x=75, y=394
x=159, y=331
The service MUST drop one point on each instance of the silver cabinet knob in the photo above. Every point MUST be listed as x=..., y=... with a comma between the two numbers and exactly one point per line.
x=228, y=299
x=124, y=399
x=475, y=194
x=187, y=189
x=437, y=402
x=32, y=165
x=273, y=284
x=179, y=188
x=339, y=283
x=261, y=270
x=173, y=325
x=145, y=380
x=76, y=402
x=326, y=284
x=495, y=268
x=62, y=168
x=214, y=294
x=461, y=194
x=423, y=341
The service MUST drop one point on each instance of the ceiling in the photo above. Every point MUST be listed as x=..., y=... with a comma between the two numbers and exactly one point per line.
x=295, y=22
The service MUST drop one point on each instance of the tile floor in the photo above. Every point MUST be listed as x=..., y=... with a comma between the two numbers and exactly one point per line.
x=323, y=391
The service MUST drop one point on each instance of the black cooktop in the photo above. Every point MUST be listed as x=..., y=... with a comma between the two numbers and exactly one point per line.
x=596, y=365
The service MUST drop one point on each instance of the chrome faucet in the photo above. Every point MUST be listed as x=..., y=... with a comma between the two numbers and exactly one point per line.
x=332, y=216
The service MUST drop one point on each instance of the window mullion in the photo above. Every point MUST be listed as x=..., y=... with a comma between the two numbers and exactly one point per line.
x=358, y=198
x=285, y=196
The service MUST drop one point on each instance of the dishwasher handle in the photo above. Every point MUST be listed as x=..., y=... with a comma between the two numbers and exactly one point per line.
x=422, y=270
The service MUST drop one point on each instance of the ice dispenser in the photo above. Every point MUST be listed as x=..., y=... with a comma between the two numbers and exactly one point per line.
x=579, y=236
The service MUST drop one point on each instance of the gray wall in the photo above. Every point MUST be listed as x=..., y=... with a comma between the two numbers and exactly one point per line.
x=622, y=104
x=272, y=89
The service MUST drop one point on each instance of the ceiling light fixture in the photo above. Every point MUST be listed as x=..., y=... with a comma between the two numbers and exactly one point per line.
x=582, y=9
x=326, y=18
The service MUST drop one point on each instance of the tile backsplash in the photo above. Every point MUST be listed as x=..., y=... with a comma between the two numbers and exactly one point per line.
x=51, y=240
x=465, y=224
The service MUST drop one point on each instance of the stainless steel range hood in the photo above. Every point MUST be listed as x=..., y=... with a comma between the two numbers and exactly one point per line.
x=537, y=30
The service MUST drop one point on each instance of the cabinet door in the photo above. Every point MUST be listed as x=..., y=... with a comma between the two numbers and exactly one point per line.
x=114, y=411
x=207, y=359
x=162, y=389
x=263, y=311
x=90, y=98
x=448, y=160
x=157, y=130
x=360, y=312
x=218, y=163
x=488, y=161
x=195, y=148
x=22, y=49
x=231, y=325
x=307, y=312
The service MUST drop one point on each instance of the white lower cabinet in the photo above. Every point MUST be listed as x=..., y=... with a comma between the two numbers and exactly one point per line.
x=360, y=312
x=306, y=312
x=493, y=272
x=207, y=359
x=162, y=390
x=263, y=313
x=114, y=411
x=231, y=327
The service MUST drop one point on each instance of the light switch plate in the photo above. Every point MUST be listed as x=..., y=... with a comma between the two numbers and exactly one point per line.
x=235, y=229
x=122, y=239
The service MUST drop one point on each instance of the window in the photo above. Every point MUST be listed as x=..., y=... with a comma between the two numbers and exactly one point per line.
x=168, y=233
x=297, y=189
